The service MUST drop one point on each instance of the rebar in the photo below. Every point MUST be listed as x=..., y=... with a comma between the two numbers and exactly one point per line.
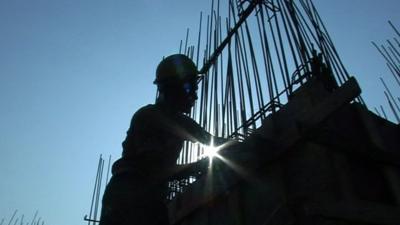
x=247, y=66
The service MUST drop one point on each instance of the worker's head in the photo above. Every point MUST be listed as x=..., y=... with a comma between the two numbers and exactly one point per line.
x=176, y=79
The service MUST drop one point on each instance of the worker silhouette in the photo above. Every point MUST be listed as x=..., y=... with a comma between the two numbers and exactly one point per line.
x=137, y=190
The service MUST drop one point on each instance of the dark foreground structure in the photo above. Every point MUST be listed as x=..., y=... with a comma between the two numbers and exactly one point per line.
x=310, y=150
x=322, y=159
x=314, y=154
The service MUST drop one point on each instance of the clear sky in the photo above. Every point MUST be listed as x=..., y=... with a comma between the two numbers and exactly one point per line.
x=73, y=72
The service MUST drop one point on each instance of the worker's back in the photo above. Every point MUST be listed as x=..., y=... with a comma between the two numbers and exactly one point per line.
x=149, y=147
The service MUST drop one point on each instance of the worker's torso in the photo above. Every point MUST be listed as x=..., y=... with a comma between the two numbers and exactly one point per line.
x=149, y=147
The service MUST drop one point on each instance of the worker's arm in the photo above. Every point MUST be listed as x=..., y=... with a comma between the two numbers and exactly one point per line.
x=194, y=169
x=180, y=125
x=179, y=172
x=190, y=130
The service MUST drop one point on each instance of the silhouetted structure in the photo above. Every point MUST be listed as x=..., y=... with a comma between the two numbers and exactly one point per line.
x=318, y=160
x=311, y=152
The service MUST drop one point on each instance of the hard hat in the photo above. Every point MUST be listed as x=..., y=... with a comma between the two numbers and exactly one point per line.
x=177, y=68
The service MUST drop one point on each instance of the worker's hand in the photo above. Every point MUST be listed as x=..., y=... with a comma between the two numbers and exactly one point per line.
x=218, y=141
x=202, y=165
x=195, y=169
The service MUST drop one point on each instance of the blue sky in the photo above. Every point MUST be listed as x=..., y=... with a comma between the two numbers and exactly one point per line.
x=73, y=72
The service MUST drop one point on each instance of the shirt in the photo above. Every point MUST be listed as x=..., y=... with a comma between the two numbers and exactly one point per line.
x=154, y=140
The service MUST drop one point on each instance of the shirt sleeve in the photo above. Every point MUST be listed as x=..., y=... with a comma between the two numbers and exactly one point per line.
x=177, y=124
x=192, y=131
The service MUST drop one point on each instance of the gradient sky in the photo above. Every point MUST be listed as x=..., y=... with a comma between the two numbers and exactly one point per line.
x=73, y=72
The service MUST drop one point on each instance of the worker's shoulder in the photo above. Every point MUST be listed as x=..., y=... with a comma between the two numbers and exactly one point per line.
x=146, y=110
x=148, y=107
x=153, y=111
x=160, y=112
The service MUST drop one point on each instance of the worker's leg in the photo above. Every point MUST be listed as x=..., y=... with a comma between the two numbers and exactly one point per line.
x=150, y=213
x=127, y=201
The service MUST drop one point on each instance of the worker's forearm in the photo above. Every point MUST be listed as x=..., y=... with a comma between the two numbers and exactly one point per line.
x=190, y=169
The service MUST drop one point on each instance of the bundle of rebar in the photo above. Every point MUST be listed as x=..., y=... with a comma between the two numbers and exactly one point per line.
x=251, y=59
x=16, y=219
x=99, y=185
x=391, y=54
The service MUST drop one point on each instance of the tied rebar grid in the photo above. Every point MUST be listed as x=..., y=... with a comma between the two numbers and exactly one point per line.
x=253, y=56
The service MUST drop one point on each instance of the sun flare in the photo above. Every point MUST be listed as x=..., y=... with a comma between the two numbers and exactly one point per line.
x=211, y=151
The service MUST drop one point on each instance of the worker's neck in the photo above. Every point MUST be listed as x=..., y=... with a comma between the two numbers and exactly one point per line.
x=169, y=106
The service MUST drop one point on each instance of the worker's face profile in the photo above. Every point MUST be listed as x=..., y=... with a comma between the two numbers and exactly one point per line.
x=190, y=90
x=187, y=87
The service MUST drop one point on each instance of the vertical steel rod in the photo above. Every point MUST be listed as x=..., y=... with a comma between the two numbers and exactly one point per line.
x=12, y=217
x=390, y=93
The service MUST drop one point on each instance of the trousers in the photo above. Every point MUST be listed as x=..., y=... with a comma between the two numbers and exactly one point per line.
x=131, y=200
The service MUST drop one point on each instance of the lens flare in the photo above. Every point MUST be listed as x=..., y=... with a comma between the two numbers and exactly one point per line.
x=211, y=151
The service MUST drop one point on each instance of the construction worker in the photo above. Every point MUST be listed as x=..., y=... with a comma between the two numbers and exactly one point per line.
x=137, y=190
